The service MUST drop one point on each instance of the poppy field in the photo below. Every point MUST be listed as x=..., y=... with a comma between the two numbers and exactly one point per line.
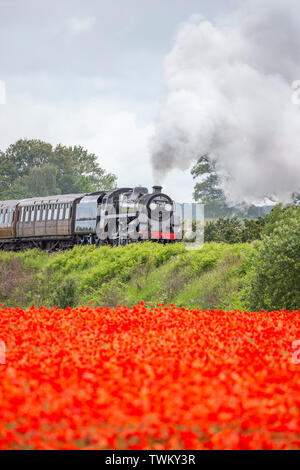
x=149, y=378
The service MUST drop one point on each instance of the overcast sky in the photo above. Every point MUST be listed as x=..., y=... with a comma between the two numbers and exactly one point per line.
x=91, y=73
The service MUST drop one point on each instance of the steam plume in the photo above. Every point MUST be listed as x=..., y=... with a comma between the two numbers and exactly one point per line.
x=228, y=93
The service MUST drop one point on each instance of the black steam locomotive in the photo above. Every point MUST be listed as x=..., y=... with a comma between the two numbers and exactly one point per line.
x=115, y=217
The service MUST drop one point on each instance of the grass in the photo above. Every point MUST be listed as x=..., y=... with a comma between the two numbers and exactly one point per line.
x=211, y=277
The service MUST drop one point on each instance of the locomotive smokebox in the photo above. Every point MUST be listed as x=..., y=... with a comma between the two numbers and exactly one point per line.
x=157, y=189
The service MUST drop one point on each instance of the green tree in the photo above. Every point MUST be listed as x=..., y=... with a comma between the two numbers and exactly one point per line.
x=39, y=182
x=233, y=230
x=207, y=189
x=34, y=168
x=274, y=278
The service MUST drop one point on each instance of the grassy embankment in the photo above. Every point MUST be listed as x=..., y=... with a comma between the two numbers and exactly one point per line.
x=211, y=277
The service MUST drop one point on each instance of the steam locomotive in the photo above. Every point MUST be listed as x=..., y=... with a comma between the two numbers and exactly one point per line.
x=115, y=217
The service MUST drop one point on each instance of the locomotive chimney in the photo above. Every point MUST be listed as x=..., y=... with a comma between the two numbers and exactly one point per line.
x=157, y=189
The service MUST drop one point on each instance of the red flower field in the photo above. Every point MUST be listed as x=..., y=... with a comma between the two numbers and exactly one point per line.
x=139, y=378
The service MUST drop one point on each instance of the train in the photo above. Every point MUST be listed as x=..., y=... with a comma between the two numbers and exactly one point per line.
x=115, y=217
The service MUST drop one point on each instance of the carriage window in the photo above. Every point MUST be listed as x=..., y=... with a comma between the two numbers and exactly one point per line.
x=67, y=213
x=61, y=212
x=44, y=213
x=11, y=216
x=26, y=214
x=38, y=213
x=32, y=214
x=86, y=211
x=55, y=212
x=5, y=217
x=0, y=216
x=49, y=212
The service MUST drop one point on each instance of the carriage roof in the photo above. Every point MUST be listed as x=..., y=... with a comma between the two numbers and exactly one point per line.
x=59, y=199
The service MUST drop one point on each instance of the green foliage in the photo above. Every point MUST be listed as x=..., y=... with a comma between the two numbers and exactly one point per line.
x=272, y=219
x=39, y=182
x=99, y=270
x=31, y=168
x=65, y=294
x=237, y=230
x=110, y=276
x=233, y=230
x=190, y=279
x=274, y=278
x=260, y=275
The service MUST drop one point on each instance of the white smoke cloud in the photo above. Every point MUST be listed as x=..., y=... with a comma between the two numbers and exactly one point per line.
x=228, y=93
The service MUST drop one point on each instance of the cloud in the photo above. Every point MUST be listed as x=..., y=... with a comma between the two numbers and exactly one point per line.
x=228, y=93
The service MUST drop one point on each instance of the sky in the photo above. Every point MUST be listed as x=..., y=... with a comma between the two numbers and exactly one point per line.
x=92, y=73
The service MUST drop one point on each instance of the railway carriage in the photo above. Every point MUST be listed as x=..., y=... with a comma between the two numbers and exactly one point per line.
x=8, y=211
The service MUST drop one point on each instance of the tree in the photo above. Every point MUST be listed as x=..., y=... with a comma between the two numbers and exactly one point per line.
x=233, y=230
x=274, y=278
x=31, y=168
x=207, y=190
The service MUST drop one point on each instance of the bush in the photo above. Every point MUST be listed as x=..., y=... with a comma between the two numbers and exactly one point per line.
x=233, y=230
x=65, y=295
x=274, y=279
